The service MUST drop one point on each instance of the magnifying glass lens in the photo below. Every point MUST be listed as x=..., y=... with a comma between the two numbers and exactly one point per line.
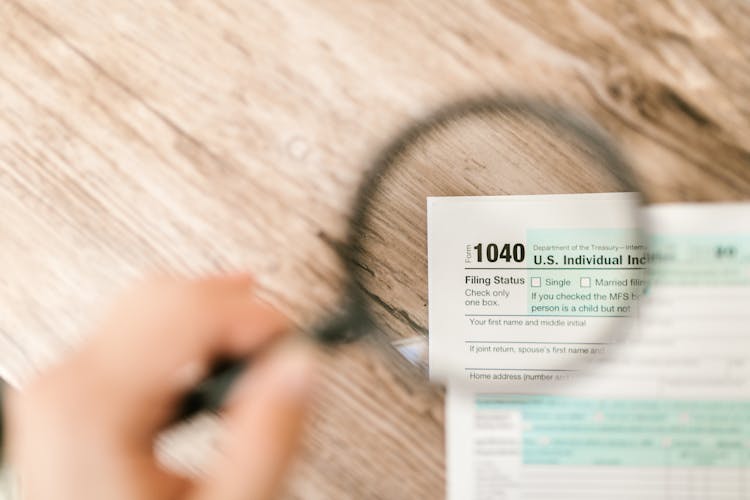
x=494, y=282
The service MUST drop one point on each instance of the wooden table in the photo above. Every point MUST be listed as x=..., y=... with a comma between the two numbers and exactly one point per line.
x=194, y=136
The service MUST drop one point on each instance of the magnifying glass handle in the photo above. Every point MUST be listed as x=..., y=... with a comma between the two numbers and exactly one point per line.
x=212, y=392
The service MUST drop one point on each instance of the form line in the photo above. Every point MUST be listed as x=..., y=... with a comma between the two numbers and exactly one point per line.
x=521, y=369
x=535, y=342
x=549, y=315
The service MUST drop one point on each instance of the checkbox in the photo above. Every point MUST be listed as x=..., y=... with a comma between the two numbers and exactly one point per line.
x=536, y=281
x=585, y=282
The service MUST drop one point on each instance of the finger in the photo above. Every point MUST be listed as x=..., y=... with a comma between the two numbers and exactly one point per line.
x=221, y=283
x=160, y=328
x=42, y=434
x=263, y=427
x=164, y=342
x=166, y=306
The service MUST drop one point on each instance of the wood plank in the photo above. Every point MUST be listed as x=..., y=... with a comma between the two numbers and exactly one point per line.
x=193, y=136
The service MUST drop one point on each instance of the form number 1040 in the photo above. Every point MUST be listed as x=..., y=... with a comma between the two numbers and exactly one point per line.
x=492, y=252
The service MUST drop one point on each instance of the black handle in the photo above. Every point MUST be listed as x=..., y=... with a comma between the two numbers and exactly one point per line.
x=211, y=393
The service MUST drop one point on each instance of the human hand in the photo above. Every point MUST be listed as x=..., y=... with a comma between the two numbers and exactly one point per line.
x=85, y=429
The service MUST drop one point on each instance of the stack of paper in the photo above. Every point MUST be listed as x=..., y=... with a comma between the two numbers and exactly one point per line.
x=567, y=398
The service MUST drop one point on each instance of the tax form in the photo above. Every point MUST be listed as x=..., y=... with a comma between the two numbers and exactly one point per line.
x=668, y=417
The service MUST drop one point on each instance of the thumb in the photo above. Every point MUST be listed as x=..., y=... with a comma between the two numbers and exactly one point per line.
x=263, y=427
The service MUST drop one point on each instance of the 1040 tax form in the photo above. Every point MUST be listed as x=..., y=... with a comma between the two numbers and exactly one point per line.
x=667, y=415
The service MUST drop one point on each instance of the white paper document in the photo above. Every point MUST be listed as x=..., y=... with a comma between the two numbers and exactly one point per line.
x=665, y=415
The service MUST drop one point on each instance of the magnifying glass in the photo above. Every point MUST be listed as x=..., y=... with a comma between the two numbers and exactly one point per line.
x=489, y=146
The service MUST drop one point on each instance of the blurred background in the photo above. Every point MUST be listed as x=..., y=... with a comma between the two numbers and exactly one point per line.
x=202, y=135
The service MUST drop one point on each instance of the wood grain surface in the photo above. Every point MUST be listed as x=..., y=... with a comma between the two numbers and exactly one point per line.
x=196, y=136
